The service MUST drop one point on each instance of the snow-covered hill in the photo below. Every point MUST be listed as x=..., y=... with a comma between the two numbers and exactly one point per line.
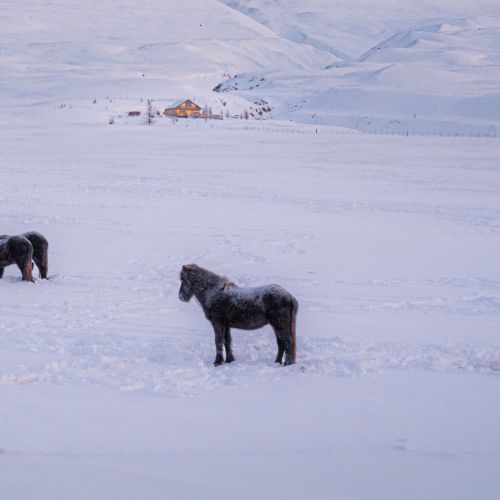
x=72, y=52
x=418, y=66
x=384, y=66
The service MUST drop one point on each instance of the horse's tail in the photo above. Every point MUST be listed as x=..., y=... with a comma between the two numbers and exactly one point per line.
x=28, y=267
x=293, y=321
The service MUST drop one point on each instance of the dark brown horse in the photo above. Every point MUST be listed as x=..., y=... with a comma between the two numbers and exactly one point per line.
x=23, y=250
x=228, y=306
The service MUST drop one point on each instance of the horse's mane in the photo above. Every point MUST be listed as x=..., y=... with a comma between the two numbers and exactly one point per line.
x=4, y=238
x=204, y=277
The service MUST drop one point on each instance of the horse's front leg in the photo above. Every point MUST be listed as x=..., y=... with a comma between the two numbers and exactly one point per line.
x=220, y=334
x=42, y=264
x=227, y=345
x=41, y=259
x=1, y=272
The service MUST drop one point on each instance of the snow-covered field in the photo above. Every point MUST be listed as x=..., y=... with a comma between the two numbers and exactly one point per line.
x=389, y=242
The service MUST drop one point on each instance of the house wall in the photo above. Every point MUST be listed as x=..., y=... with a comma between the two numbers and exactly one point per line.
x=184, y=110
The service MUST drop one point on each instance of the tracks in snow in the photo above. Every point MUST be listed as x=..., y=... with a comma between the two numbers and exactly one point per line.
x=130, y=334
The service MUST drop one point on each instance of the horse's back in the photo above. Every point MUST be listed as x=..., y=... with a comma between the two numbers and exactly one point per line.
x=18, y=244
x=36, y=239
x=249, y=308
x=271, y=295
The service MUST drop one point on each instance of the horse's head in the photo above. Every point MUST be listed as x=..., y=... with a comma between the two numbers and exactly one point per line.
x=186, y=291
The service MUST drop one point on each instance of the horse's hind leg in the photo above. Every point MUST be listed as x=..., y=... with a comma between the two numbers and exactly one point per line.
x=281, y=346
x=227, y=345
x=25, y=265
x=285, y=340
x=289, y=350
x=291, y=334
x=20, y=251
x=1, y=272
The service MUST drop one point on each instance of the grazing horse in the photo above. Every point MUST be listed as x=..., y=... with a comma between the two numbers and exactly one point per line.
x=228, y=306
x=23, y=250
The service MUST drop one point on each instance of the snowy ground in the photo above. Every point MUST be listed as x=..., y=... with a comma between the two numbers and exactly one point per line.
x=390, y=245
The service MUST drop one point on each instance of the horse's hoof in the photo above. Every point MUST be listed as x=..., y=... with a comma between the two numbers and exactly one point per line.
x=218, y=362
x=230, y=360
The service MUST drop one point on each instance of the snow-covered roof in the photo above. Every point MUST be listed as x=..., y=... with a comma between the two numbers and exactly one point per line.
x=177, y=103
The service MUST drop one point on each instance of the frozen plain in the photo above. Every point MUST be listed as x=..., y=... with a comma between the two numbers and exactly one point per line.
x=390, y=245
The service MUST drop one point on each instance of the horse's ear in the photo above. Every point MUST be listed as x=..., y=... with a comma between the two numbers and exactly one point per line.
x=186, y=271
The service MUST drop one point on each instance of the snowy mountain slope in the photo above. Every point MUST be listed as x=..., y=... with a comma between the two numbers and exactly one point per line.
x=128, y=50
x=389, y=66
x=417, y=51
x=352, y=27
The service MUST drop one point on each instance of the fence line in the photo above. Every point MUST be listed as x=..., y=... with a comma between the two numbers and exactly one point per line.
x=338, y=131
